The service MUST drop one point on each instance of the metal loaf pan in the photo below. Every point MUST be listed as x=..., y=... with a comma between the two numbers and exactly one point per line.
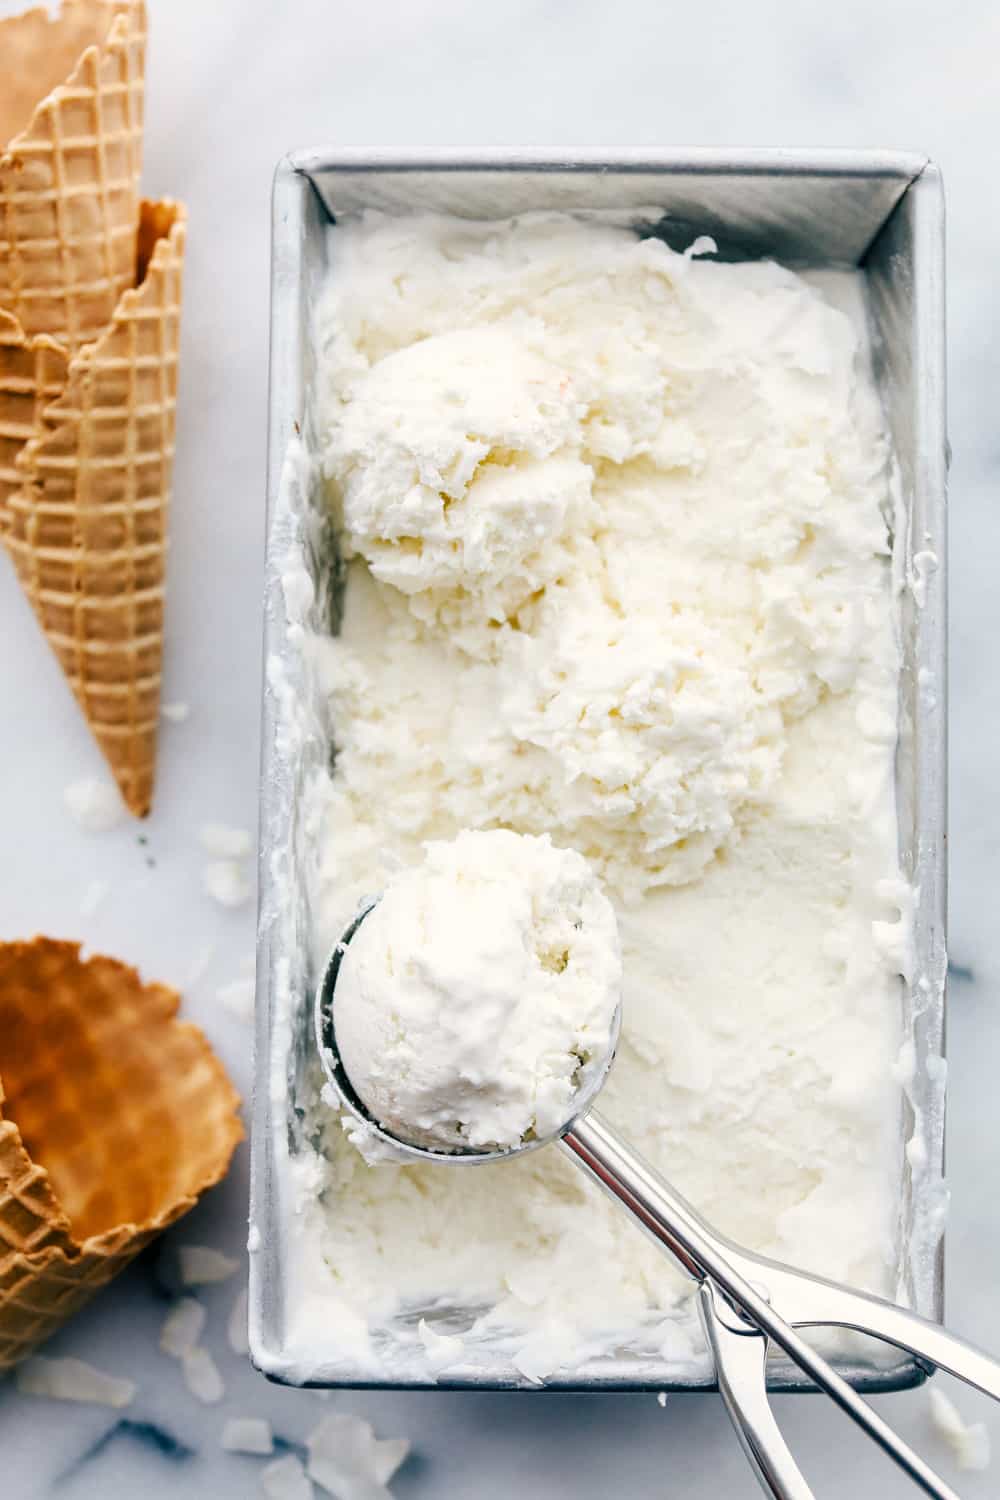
x=880, y=210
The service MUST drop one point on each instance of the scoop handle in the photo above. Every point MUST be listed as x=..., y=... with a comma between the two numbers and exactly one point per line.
x=809, y=1302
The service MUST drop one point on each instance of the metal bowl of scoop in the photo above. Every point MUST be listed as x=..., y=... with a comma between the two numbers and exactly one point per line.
x=396, y=1146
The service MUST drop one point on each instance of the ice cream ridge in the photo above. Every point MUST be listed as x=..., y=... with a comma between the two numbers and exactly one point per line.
x=618, y=582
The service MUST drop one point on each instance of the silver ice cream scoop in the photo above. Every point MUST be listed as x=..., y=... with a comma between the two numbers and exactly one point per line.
x=745, y=1300
x=354, y=1104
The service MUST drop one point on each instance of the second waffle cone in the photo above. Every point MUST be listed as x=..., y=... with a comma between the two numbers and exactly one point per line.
x=87, y=529
x=114, y=1118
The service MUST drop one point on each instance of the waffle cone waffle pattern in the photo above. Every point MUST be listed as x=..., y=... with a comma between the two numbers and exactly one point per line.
x=32, y=374
x=87, y=529
x=114, y=1118
x=90, y=288
x=69, y=177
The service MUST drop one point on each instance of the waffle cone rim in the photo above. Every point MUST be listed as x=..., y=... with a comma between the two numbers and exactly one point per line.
x=69, y=1252
x=119, y=33
x=168, y=244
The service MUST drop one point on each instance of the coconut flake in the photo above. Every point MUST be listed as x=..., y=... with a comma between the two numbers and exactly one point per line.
x=286, y=1479
x=443, y=1349
x=390, y=1453
x=94, y=803
x=969, y=1442
x=247, y=1435
x=93, y=896
x=201, y=1375
x=175, y=713
x=236, y=1328
x=182, y=1327
x=346, y=1458
x=238, y=999
x=201, y=1265
x=72, y=1380
x=226, y=883
x=223, y=842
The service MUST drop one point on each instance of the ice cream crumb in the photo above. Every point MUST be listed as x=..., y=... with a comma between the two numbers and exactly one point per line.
x=936, y=1068
x=346, y=1458
x=904, y=1068
x=924, y=565
x=530, y=1366
x=201, y=1265
x=238, y=999
x=286, y=1479
x=969, y=1442
x=253, y=1239
x=182, y=1327
x=226, y=883
x=202, y=1376
x=551, y=1346
x=916, y=1151
x=661, y=1398
x=236, y=1328
x=93, y=897
x=926, y=684
x=247, y=1435
x=223, y=842
x=94, y=803
x=443, y=1349
x=175, y=713
x=72, y=1380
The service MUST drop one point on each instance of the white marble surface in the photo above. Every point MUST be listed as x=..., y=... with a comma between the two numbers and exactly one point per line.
x=233, y=83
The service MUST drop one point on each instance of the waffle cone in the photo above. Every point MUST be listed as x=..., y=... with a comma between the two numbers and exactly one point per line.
x=114, y=1118
x=69, y=171
x=87, y=528
x=32, y=374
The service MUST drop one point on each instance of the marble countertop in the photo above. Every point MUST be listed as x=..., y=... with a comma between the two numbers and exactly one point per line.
x=232, y=85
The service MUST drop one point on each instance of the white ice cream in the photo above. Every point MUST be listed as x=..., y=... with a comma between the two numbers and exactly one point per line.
x=456, y=458
x=680, y=661
x=477, y=999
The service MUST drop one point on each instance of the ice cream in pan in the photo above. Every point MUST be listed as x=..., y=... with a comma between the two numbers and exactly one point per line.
x=617, y=530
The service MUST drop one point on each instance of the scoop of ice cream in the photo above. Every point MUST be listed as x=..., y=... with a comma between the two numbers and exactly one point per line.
x=654, y=737
x=457, y=467
x=477, y=999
